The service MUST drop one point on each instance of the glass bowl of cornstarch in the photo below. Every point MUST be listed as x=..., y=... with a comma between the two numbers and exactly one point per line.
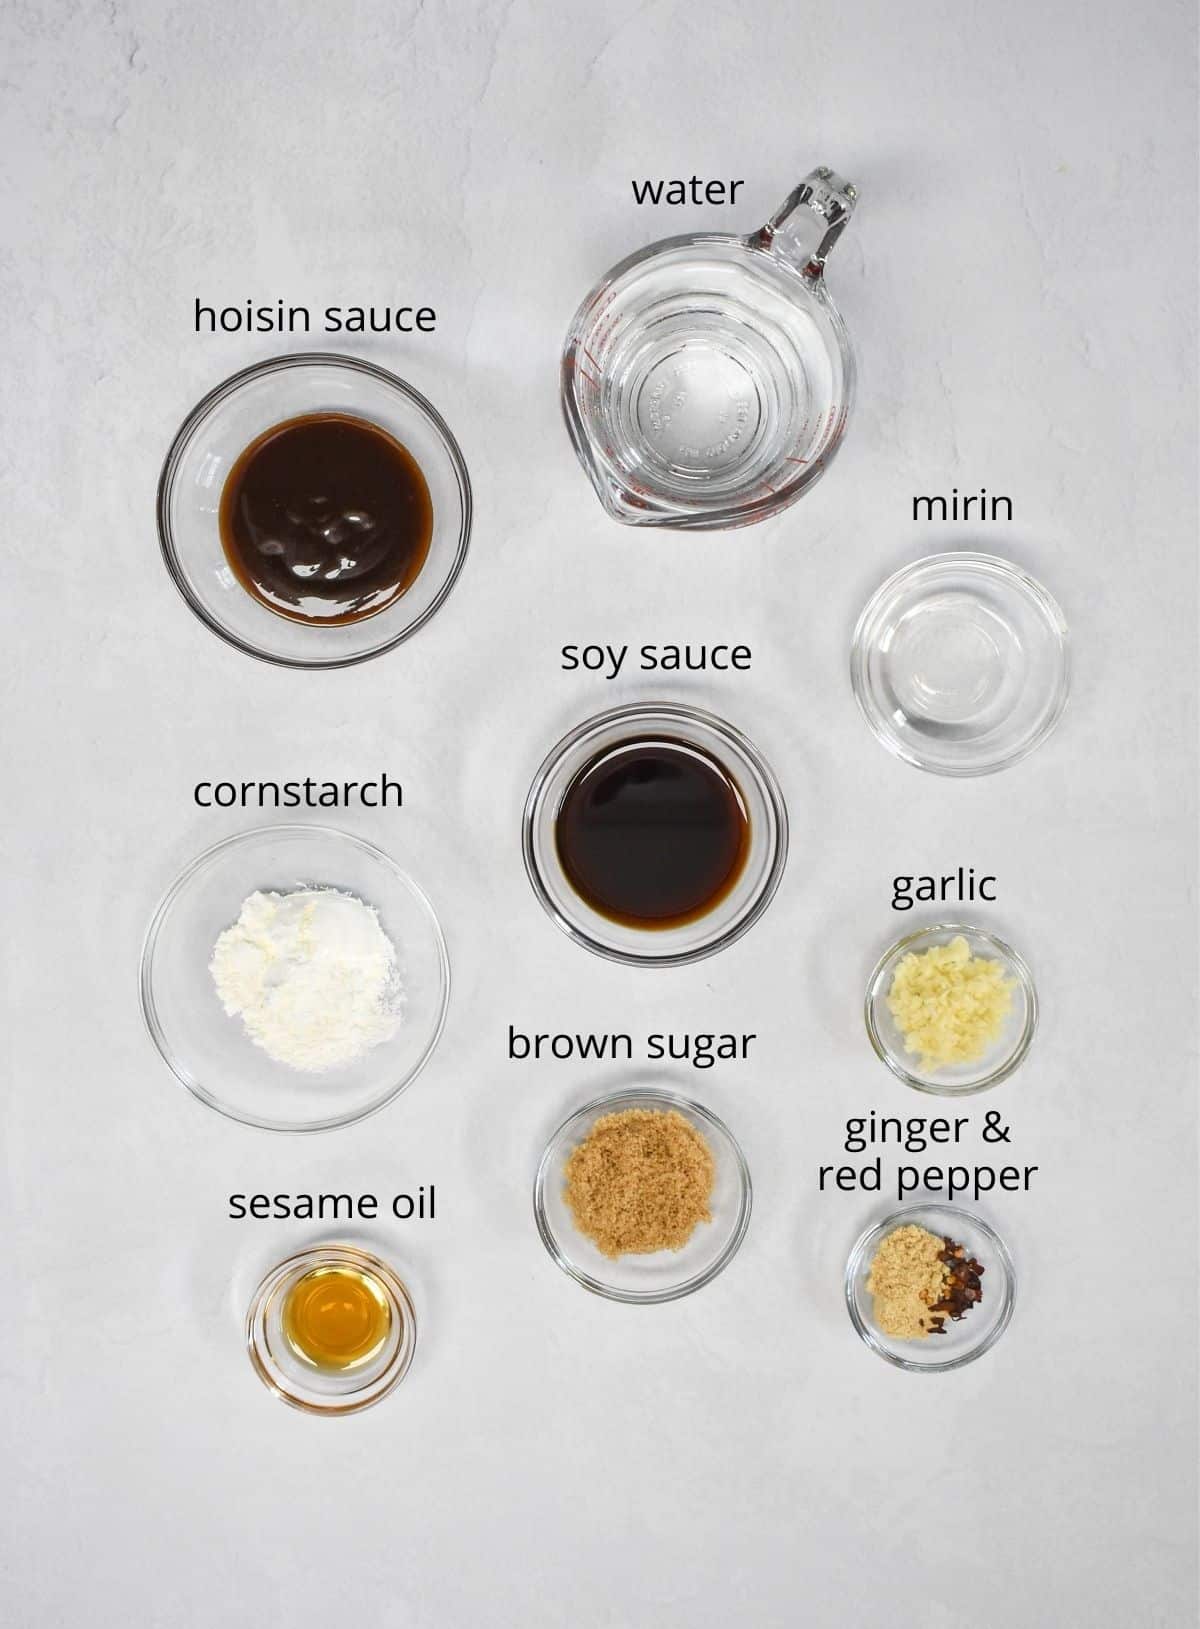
x=294, y=978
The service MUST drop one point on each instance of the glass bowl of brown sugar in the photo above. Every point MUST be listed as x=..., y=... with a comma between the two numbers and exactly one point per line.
x=930, y=1287
x=314, y=510
x=642, y=1196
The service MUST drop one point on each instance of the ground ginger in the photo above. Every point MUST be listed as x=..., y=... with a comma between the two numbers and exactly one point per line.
x=907, y=1278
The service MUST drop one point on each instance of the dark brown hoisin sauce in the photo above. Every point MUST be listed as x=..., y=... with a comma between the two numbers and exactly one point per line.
x=326, y=518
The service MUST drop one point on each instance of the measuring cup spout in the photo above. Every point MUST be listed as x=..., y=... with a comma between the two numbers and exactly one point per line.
x=810, y=220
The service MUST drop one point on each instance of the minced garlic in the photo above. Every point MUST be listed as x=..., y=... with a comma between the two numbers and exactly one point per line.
x=950, y=1006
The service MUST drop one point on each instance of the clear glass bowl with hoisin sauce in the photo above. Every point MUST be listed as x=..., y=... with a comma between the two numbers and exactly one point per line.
x=213, y=443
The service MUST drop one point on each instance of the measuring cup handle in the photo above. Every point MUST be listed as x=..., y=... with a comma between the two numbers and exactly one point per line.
x=810, y=220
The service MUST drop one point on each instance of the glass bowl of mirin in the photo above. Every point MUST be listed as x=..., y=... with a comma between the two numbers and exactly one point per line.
x=1005, y=1054
x=960, y=664
x=647, y=727
x=301, y=1383
x=211, y=440
x=662, y=1275
x=972, y=1335
x=211, y=1053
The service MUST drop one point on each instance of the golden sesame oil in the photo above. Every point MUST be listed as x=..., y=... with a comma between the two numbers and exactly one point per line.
x=336, y=1317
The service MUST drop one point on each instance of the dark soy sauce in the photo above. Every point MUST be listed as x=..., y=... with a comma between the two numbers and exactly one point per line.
x=326, y=519
x=653, y=834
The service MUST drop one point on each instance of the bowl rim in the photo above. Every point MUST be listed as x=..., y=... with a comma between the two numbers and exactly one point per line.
x=658, y=1097
x=1014, y=1059
x=896, y=1218
x=334, y=1252
x=212, y=400
x=152, y=1021
x=1028, y=585
x=671, y=712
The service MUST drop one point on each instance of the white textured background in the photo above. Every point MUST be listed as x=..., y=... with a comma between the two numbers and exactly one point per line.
x=1019, y=280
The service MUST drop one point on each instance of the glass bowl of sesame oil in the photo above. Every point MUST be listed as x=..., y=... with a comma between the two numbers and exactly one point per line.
x=331, y=1330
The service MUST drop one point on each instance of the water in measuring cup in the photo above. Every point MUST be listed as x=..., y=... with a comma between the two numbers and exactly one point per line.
x=713, y=395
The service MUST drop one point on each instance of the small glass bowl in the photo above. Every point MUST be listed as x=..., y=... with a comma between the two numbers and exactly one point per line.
x=960, y=664
x=1005, y=1054
x=978, y=1329
x=644, y=723
x=666, y=1274
x=322, y=1391
x=211, y=1053
x=222, y=426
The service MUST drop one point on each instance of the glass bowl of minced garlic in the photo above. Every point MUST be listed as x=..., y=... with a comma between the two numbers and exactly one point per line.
x=951, y=1009
x=930, y=1287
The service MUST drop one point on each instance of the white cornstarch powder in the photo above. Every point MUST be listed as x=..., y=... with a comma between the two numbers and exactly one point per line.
x=312, y=976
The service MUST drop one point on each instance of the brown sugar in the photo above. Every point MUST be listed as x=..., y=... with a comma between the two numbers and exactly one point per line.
x=640, y=1181
x=907, y=1278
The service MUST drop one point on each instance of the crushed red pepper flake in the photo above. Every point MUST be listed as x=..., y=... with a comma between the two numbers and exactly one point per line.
x=961, y=1289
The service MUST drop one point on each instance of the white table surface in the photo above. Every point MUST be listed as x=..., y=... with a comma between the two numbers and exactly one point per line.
x=1019, y=282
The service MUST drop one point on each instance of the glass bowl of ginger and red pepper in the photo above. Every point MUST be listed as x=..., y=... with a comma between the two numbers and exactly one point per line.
x=930, y=1287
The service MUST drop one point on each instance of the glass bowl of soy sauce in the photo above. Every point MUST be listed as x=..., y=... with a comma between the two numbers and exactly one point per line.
x=655, y=834
x=314, y=510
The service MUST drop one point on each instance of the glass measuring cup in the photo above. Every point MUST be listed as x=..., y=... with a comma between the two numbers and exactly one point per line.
x=706, y=381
